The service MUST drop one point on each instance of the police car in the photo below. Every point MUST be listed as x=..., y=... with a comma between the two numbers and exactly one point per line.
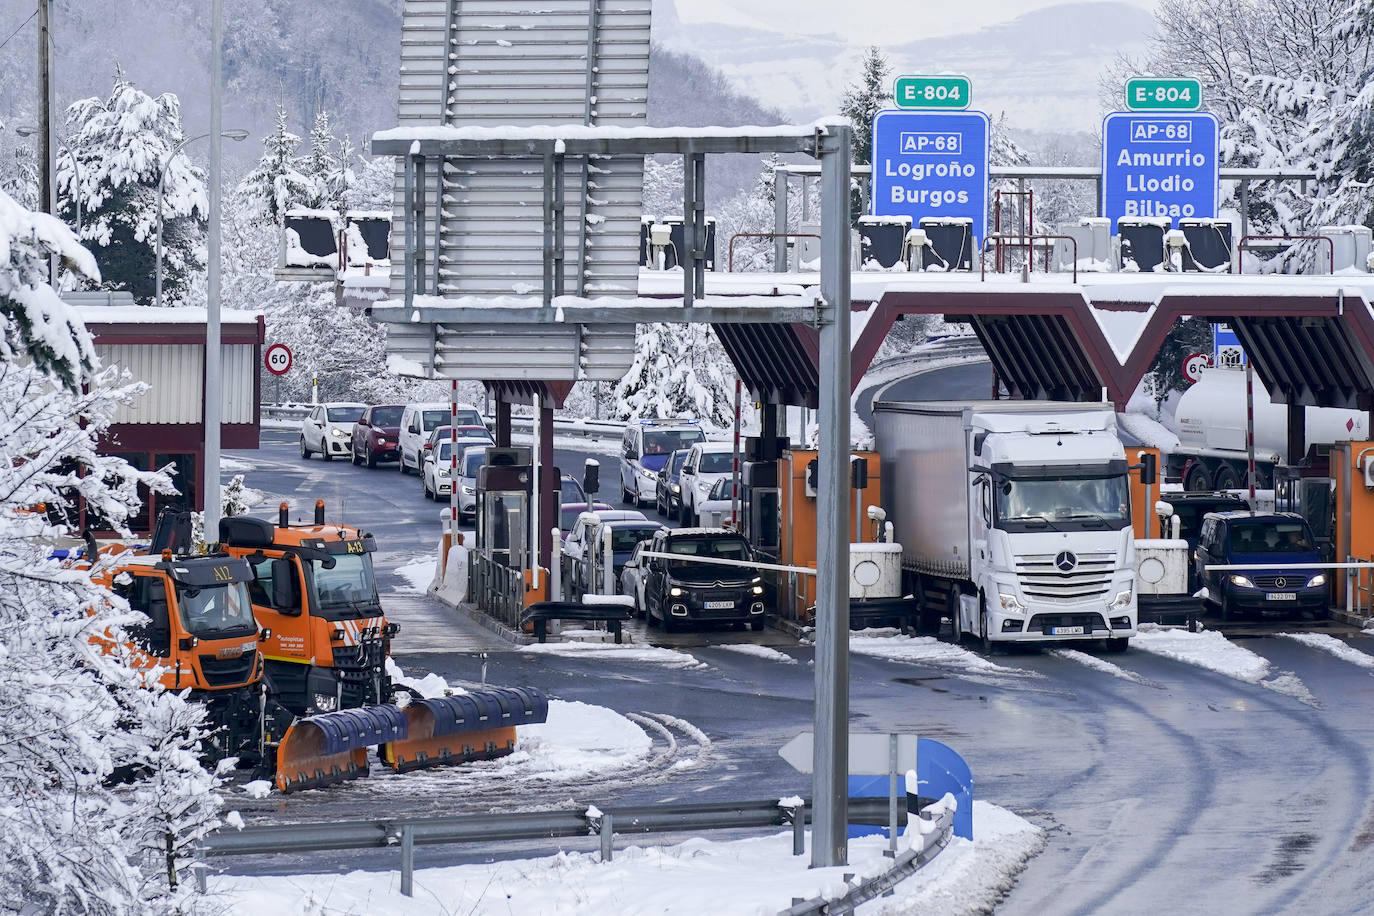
x=645, y=448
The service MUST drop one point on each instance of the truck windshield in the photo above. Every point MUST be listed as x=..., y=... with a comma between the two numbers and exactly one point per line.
x=349, y=590
x=216, y=611
x=1063, y=504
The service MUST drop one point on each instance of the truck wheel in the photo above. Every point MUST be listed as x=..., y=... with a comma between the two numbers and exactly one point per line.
x=986, y=643
x=1197, y=480
x=954, y=618
x=1118, y=644
x=1227, y=478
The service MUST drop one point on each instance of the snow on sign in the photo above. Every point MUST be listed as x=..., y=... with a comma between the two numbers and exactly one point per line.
x=278, y=359
x=931, y=163
x=1194, y=364
x=1159, y=165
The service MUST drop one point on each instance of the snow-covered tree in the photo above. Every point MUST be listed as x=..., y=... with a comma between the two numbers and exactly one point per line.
x=122, y=143
x=865, y=98
x=72, y=715
x=320, y=166
x=276, y=184
x=372, y=184
x=679, y=370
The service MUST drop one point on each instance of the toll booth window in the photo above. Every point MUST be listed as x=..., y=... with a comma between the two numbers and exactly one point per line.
x=149, y=596
x=183, y=471
x=348, y=590
x=765, y=530
x=217, y=612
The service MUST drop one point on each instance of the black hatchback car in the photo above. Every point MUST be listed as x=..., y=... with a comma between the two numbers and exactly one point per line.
x=682, y=592
x=1278, y=544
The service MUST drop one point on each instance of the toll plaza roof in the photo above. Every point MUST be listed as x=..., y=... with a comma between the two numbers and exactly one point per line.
x=1310, y=338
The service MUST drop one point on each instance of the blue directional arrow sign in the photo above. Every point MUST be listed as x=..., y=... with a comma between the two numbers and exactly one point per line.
x=1158, y=164
x=931, y=163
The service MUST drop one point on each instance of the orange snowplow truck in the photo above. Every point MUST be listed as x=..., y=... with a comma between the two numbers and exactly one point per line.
x=314, y=589
x=200, y=635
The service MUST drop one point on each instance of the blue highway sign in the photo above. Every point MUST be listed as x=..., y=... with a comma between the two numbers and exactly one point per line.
x=1156, y=164
x=931, y=163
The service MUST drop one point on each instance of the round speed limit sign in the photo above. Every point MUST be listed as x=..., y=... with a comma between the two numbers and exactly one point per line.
x=1194, y=364
x=278, y=359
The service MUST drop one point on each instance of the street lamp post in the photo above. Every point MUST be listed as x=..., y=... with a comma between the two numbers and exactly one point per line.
x=236, y=136
x=28, y=131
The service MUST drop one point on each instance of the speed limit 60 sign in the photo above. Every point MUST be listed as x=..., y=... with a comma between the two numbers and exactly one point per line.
x=1194, y=364
x=278, y=359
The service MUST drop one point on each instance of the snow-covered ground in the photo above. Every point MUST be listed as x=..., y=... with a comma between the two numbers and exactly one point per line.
x=1324, y=643
x=648, y=655
x=772, y=655
x=419, y=572
x=890, y=644
x=757, y=875
x=1209, y=649
x=1098, y=664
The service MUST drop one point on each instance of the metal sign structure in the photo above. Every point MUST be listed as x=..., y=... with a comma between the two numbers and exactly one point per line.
x=1157, y=166
x=1227, y=352
x=869, y=753
x=278, y=359
x=1152, y=93
x=931, y=164
x=925, y=92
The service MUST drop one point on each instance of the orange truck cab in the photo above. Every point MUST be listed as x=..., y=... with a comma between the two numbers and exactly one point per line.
x=200, y=635
x=314, y=589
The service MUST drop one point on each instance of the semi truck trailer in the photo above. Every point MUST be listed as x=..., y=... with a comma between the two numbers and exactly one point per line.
x=1015, y=516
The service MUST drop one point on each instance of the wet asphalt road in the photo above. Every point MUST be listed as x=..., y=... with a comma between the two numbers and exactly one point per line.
x=1177, y=790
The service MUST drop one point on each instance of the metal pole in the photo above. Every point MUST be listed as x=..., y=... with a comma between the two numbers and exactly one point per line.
x=1250, y=429
x=1244, y=207
x=607, y=837
x=408, y=861
x=214, y=382
x=780, y=191
x=734, y=480
x=47, y=182
x=829, y=845
x=453, y=459
x=892, y=795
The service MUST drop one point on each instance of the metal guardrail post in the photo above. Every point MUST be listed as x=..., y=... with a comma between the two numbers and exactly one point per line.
x=607, y=837
x=408, y=861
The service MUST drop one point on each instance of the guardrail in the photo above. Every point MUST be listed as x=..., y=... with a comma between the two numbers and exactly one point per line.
x=496, y=588
x=590, y=820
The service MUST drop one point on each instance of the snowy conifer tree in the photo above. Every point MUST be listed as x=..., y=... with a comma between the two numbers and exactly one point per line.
x=319, y=165
x=679, y=370
x=71, y=714
x=276, y=184
x=122, y=144
x=864, y=99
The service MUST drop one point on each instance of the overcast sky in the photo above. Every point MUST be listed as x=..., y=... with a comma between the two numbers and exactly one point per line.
x=867, y=21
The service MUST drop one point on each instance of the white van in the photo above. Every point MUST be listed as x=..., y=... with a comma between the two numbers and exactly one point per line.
x=644, y=449
x=419, y=420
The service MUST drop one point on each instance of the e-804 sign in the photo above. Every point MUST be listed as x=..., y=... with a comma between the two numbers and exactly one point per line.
x=931, y=91
x=1170, y=94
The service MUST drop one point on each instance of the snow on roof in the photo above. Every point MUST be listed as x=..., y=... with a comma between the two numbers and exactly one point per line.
x=148, y=314
x=585, y=132
x=696, y=532
x=1121, y=328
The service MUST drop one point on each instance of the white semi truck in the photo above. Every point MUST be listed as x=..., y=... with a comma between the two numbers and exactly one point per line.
x=1016, y=517
x=1211, y=452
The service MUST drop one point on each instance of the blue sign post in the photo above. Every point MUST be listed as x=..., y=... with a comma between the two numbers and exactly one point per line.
x=931, y=163
x=1156, y=164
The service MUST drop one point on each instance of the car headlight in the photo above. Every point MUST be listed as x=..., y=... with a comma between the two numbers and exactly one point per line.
x=1121, y=601
x=334, y=430
x=469, y=491
x=1010, y=603
x=675, y=592
x=757, y=589
x=646, y=474
x=443, y=472
x=1318, y=580
x=1242, y=582
x=675, y=488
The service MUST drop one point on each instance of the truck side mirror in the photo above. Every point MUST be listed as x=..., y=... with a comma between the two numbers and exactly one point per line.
x=285, y=591
x=1149, y=468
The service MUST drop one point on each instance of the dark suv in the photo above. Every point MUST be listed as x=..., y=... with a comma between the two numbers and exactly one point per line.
x=1191, y=508
x=667, y=490
x=376, y=436
x=1277, y=542
x=679, y=592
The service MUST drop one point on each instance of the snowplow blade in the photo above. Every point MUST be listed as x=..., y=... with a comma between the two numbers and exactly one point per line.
x=480, y=725
x=332, y=747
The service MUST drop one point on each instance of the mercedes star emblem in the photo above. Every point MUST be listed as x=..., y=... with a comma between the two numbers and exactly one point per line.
x=1065, y=561
x=1280, y=582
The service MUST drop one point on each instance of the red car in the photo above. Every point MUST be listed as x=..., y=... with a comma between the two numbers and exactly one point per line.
x=376, y=435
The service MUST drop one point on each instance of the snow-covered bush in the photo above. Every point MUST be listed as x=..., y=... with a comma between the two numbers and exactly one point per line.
x=72, y=716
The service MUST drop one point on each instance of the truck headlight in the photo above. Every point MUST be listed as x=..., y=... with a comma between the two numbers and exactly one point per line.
x=1010, y=603
x=1318, y=580
x=1242, y=582
x=1121, y=601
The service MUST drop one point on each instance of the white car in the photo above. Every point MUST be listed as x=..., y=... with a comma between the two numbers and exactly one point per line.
x=706, y=463
x=715, y=511
x=435, y=474
x=419, y=420
x=576, y=563
x=643, y=451
x=328, y=429
x=470, y=460
x=632, y=577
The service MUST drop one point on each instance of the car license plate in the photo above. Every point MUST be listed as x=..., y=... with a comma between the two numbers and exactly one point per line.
x=1066, y=631
x=1280, y=596
x=719, y=605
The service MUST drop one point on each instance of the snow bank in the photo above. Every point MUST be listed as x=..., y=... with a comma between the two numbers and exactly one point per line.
x=1209, y=649
x=611, y=652
x=578, y=740
x=893, y=646
x=1324, y=643
x=1098, y=664
x=757, y=875
x=431, y=685
x=418, y=571
x=773, y=655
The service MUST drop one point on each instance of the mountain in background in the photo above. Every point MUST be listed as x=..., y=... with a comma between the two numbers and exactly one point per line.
x=1041, y=68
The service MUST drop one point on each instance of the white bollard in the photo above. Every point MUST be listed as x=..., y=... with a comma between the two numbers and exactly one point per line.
x=608, y=561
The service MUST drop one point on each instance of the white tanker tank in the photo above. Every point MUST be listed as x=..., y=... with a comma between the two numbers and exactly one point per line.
x=1211, y=432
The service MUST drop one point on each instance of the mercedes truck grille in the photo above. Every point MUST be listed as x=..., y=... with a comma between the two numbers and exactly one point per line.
x=1044, y=577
